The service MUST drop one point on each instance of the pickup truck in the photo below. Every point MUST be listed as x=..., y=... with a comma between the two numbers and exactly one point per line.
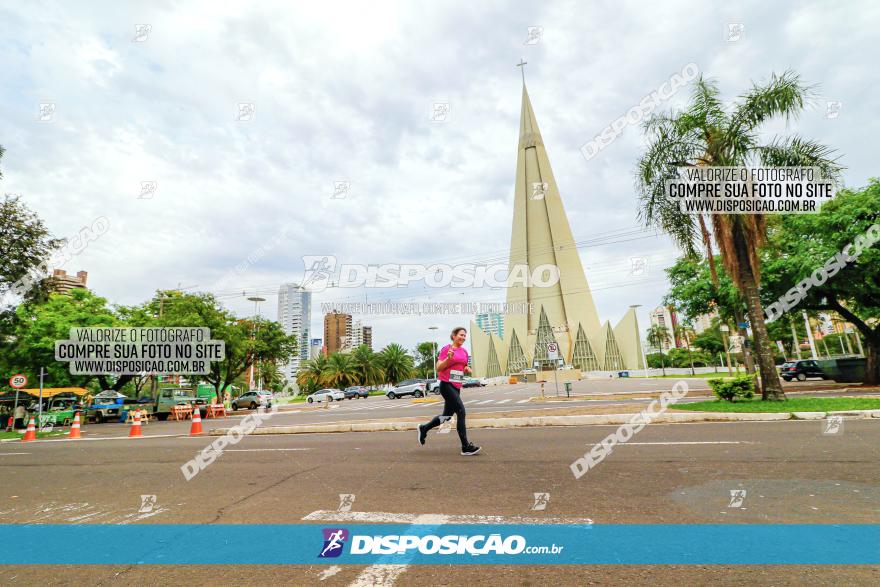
x=170, y=397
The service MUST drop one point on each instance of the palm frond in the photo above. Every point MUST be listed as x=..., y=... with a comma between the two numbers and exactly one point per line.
x=668, y=149
x=795, y=151
x=783, y=95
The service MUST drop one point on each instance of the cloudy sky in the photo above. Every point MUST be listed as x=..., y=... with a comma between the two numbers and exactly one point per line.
x=344, y=91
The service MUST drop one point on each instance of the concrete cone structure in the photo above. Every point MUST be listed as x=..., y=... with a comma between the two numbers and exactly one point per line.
x=196, y=427
x=74, y=428
x=564, y=312
x=135, y=430
x=31, y=432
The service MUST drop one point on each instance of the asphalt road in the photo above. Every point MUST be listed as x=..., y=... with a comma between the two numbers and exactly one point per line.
x=681, y=473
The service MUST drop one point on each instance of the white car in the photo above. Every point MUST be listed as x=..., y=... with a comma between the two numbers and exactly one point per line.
x=326, y=395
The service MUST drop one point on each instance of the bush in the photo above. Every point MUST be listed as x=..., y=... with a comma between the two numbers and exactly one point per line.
x=739, y=387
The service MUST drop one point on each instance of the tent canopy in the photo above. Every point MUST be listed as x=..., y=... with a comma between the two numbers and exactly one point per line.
x=50, y=391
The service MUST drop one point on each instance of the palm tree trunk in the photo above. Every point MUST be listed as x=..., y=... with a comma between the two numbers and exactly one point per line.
x=771, y=387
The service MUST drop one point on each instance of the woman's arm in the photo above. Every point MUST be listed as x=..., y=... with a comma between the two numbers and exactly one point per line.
x=450, y=353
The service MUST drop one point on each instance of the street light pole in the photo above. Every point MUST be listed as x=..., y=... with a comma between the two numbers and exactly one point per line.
x=256, y=300
x=434, y=345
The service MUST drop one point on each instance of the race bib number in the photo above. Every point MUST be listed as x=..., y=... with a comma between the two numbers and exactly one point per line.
x=456, y=376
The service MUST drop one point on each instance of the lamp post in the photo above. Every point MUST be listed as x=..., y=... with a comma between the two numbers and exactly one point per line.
x=434, y=344
x=639, y=338
x=256, y=300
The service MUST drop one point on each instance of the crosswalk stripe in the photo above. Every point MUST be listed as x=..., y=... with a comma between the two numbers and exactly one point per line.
x=523, y=401
x=488, y=401
x=504, y=401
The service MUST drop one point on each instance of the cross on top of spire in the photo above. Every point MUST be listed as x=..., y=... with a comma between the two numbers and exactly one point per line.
x=522, y=63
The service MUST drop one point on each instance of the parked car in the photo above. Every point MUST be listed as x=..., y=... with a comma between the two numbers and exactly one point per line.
x=432, y=385
x=252, y=399
x=326, y=395
x=800, y=370
x=414, y=387
x=356, y=391
x=471, y=382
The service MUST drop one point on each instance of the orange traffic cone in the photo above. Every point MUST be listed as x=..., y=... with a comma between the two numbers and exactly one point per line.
x=31, y=432
x=74, y=428
x=136, y=425
x=196, y=427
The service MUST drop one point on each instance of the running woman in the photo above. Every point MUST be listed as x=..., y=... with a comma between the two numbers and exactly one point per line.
x=452, y=366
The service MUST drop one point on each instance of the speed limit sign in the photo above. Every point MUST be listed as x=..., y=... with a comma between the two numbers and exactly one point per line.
x=18, y=381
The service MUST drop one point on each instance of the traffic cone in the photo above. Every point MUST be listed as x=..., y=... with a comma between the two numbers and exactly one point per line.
x=196, y=427
x=31, y=432
x=136, y=425
x=74, y=428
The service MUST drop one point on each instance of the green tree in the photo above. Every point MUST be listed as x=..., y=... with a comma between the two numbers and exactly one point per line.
x=658, y=336
x=684, y=332
x=707, y=133
x=424, y=358
x=693, y=292
x=38, y=325
x=25, y=243
x=368, y=366
x=396, y=363
x=340, y=371
x=799, y=244
x=310, y=376
x=246, y=341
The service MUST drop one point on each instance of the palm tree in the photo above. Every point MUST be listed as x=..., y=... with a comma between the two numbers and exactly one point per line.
x=708, y=134
x=367, y=365
x=340, y=371
x=396, y=362
x=683, y=331
x=310, y=376
x=658, y=336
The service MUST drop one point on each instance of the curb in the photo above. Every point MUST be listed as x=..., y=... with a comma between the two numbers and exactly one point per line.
x=533, y=421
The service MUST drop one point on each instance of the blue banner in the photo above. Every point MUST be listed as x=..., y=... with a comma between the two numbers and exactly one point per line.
x=473, y=544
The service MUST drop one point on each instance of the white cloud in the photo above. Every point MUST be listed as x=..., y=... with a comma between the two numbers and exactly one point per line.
x=342, y=91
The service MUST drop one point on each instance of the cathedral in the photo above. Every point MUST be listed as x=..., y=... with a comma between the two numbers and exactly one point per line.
x=564, y=313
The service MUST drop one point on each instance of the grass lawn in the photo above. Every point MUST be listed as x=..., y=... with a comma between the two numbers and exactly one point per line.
x=722, y=373
x=800, y=404
x=4, y=435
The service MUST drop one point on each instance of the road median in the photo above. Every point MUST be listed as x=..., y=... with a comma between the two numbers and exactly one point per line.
x=538, y=421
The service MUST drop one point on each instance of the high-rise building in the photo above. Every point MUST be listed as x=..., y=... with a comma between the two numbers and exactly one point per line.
x=492, y=323
x=295, y=318
x=666, y=317
x=360, y=335
x=564, y=311
x=61, y=282
x=367, y=336
x=337, y=332
x=703, y=322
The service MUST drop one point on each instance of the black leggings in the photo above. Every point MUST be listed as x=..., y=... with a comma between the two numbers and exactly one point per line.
x=452, y=405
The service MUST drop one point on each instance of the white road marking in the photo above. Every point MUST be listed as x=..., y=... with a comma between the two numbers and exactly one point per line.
x=329, y=572
x=523, y=401
x=261, y=449
x=470, y=402
x=384, y=575
x=3, y=454
x=504, y=401
x=484, y=402
x=698, y=442
x=396, y=518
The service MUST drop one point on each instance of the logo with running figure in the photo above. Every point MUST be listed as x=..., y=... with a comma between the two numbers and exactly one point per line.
x=334, y=540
